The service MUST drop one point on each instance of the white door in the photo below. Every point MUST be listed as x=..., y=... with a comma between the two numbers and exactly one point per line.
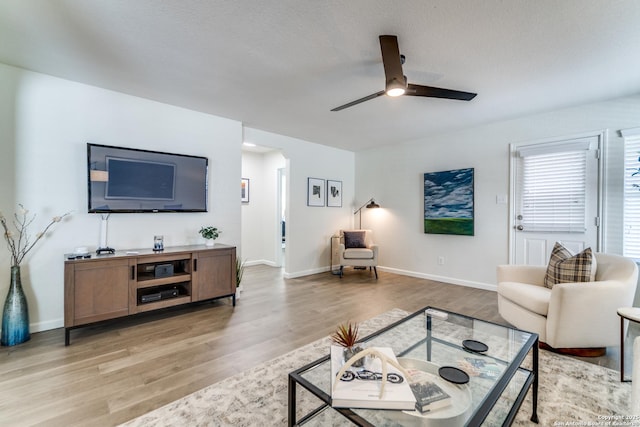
x=556, y=197
x=281, y=216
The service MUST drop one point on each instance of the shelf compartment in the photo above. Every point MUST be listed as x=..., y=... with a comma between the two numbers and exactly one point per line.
x=176, y=278
x=154, y=294
x=163, y=304
x=162, y=270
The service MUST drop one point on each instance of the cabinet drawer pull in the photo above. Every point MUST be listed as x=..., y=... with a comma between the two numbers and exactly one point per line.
x=133, y=272
x=195, y=265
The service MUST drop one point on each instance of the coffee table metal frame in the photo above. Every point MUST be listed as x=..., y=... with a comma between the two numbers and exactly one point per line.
x=483, y=410
x=632, y=314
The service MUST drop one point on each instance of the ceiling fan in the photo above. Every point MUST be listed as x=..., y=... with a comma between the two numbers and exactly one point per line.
x=396, y=81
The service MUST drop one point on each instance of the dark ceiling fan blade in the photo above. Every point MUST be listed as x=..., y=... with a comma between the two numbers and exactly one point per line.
x=391, y=59
x=436, y=92
x=358, y=101
x=396, y=83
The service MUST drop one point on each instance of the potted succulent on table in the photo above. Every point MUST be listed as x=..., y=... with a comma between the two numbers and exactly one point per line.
x=346, y=336
x=210, y=233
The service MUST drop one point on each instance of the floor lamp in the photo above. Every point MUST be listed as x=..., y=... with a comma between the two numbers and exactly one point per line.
x=371, y=204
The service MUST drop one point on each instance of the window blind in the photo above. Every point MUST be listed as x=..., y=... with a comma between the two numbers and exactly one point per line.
x=631, y=238
x=553, y=187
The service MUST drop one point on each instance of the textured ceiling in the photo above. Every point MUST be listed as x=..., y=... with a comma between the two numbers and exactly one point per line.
x=281, y=65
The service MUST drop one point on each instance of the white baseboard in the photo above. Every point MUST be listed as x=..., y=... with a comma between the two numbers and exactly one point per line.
x=260, y=262
x=467, y=283
x=45, y=326
x=285, y=274
x=306, y=272
x=460, y=282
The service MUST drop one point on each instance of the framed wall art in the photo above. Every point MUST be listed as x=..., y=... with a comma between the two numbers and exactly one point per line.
x=448, y=202
x=334, y=193
x=244, y=190
x=315, y=192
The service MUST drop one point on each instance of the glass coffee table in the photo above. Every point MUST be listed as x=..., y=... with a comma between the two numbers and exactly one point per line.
x=495, y=357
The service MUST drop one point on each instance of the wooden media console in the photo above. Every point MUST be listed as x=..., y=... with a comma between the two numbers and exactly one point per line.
x=126, y=283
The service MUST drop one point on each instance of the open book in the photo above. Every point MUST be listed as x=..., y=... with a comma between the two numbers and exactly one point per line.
x=360, y=387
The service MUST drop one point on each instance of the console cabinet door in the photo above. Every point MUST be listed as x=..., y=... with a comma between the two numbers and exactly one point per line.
x=214, y=273
x=96, y=291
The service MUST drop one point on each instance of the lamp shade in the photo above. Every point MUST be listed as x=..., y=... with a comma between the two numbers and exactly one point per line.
x=372, y=205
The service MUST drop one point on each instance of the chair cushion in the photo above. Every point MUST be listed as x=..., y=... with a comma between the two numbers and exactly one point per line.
x=354, y=239
x=532, y=297
x=567, y=268
x=358, y=253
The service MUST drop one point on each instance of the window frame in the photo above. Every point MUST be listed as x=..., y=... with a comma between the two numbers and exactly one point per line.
x=631, y=194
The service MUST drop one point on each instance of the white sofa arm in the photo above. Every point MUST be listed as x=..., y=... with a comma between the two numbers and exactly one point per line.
x=374, y=248
x=341, y=249
x=531, y=274
x=581, y=317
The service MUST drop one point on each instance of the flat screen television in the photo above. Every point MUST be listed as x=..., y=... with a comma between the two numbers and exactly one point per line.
x=132, y=180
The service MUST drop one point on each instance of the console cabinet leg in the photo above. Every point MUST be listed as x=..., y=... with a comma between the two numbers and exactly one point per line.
x=67, y=337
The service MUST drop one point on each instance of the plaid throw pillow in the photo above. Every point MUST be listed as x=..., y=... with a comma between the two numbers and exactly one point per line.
x=567, y=268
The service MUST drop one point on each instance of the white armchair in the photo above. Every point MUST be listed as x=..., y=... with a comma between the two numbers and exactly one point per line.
x=358, y=250
x=576, y=318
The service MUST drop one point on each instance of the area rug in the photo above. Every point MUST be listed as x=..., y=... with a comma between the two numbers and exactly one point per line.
x=571, y=392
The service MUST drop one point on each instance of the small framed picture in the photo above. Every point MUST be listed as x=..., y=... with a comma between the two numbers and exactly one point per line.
x=315, y=192
x=244, y=190
x=334, y=193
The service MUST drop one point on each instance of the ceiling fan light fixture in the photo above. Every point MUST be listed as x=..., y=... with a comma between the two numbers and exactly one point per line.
x=398, y=91
x=396, y=88
x=396, y=82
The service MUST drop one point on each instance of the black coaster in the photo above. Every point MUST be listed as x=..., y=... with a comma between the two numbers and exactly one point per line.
x=475, y=346
x=454, y=375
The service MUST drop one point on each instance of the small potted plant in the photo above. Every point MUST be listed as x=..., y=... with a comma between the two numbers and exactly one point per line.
x=239, y=273
x=347, y=336
x=210, y=233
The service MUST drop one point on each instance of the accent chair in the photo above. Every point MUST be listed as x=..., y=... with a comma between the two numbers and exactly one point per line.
x=577, y=318
x=357, y=249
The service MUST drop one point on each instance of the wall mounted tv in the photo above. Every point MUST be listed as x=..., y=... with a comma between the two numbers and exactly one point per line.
x=131, y=180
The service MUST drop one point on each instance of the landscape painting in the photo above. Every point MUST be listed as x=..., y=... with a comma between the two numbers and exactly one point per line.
x=448, y=202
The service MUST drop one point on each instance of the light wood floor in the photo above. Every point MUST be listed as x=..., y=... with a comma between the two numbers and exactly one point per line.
x=117, y=371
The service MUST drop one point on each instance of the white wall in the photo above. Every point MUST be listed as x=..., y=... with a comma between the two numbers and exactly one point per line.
x=260, y=217
x=309, y=228
x=393, y=174
x=8, y=88
x=45, y=125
